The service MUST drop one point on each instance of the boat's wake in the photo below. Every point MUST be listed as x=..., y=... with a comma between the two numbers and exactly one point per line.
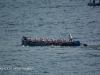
x=90, y=46
x=94, y=46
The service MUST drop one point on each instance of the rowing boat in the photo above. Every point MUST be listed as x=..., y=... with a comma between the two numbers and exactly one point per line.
x=28, y=42
x=93, y=4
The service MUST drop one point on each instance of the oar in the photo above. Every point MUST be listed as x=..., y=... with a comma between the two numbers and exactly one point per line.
x=84, y=44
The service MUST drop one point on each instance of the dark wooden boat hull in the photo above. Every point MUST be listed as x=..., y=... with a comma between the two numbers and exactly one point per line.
x=33, y=43
x=92, y=4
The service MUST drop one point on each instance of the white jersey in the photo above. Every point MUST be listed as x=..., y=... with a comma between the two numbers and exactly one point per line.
x=70, y=37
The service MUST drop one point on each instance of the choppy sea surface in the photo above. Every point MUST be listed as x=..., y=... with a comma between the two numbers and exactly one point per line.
x=52, y=19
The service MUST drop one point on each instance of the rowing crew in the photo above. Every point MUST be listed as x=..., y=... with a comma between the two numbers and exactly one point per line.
x=49, y=40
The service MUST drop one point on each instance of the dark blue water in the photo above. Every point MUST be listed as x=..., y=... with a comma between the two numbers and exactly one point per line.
x=52, y=19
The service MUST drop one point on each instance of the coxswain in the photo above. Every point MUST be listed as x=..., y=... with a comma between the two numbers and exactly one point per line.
x=70, y=38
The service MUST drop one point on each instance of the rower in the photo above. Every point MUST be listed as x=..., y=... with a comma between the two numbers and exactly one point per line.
x=35, y=39
x=47, y=40
x=58, y=41
x=24, y=38
x=64, y=40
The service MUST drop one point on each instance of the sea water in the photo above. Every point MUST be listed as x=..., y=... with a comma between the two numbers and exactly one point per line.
x=49, y=19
